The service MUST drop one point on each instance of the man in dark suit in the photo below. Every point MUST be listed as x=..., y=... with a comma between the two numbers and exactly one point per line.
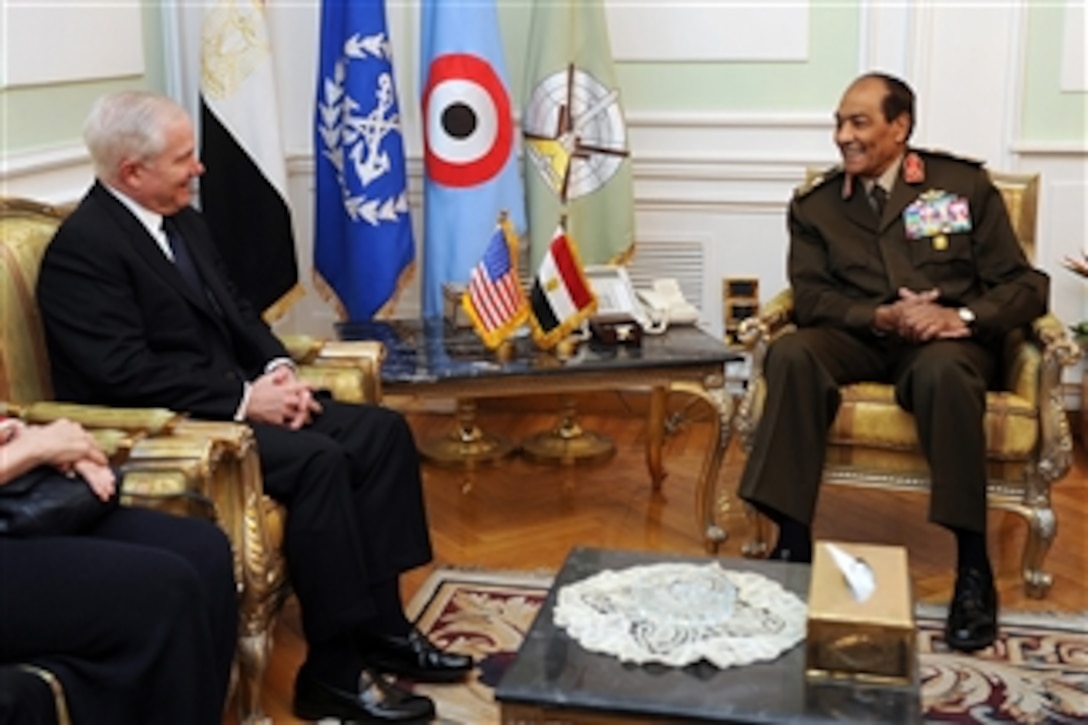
x=138, y=311
x=904, y=268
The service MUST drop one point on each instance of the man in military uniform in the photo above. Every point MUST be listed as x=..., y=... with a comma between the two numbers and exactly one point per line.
x=904, y=269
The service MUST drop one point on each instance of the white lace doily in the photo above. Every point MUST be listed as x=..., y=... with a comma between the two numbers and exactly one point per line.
x=677, y=614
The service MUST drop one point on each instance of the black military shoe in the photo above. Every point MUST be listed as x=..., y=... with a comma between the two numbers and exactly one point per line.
x=972, y=615
x=412, y=655
x=375, y=700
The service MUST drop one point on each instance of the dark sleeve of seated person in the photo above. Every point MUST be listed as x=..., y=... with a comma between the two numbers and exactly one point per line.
x=135, y=617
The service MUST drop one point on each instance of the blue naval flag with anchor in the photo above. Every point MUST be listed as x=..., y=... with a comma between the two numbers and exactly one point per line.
x=470, y=162
x=364, y=252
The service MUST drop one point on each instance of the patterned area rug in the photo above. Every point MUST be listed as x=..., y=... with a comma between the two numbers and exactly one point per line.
x=1037, y=672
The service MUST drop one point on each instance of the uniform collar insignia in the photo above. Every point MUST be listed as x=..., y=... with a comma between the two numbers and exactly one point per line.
x=847, y=186
x=914, y=169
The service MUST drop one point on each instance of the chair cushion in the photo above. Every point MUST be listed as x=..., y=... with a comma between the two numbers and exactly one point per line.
x=870, y=417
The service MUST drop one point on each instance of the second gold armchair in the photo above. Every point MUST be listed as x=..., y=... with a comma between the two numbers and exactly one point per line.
x=872, y=442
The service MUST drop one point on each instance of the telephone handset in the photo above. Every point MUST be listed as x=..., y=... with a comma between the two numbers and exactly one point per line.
x=653, y=309
x=666, y=301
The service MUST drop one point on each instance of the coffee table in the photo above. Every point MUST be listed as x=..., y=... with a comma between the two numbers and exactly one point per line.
x=429, y=358
x=554, y=680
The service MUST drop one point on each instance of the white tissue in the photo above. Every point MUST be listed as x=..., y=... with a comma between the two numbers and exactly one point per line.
x=859, y=575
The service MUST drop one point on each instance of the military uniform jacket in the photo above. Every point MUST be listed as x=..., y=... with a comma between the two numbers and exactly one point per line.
x=844, y=261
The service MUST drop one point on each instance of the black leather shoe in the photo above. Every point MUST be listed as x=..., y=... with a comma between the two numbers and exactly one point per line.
x=414, y=656
x=972, y=615
x=377, y=700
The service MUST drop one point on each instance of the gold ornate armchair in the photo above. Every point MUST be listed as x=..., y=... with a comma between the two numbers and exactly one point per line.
x=168, y=461
x=872, y=442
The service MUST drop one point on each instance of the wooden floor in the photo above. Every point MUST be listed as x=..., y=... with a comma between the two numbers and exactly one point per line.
x=520, y=515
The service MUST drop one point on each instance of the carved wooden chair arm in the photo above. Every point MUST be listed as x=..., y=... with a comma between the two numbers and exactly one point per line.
x=173, y=473
x=1058, y=350
x=774, y=319
x=351, y=370
x=1056, y=341
x=145, y=421
x=232, y=483
x=116, y=430
x=301, y=348
x=346, y=384
x=771, y=320
x=305, y=349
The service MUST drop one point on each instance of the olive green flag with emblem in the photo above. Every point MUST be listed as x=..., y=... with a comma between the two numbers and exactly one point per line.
x=577, y=165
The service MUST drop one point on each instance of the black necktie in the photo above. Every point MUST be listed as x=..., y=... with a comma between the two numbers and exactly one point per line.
x=182, y=259
x=879, y=196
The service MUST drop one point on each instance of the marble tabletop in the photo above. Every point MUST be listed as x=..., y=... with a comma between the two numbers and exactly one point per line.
x=429, y=350
x=551, y=671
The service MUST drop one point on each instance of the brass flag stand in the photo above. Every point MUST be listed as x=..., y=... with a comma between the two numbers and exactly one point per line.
x=568, y=443
x=467, y=444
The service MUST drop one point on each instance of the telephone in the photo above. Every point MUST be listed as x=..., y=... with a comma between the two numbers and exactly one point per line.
x=667, y=301
x=653, y=309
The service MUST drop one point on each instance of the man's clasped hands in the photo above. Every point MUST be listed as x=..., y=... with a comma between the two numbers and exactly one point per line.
x=917, y=317
x=279, y=397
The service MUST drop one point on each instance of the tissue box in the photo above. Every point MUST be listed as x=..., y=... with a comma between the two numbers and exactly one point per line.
x=870, y=641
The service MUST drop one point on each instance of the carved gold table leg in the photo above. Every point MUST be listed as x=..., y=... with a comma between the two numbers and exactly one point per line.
x=568, y=442
x=707, y=504
x=468, y=445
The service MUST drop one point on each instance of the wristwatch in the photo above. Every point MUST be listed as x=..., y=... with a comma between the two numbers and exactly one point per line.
x=967, y=316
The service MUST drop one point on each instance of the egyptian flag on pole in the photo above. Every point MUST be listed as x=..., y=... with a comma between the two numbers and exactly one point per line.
x=243, y=192
x=561, y=298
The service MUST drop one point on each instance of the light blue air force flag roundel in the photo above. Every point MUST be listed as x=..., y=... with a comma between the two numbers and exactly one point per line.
x=470, y=159
x=363, y=247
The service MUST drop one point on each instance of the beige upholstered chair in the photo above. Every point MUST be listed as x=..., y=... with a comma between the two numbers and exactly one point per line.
x=872, y=442
x=169, y=462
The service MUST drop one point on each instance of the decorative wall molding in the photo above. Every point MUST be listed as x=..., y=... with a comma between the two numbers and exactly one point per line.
x=1051, y=148
x=885, y=31
x=55, y=175
x=1074, y=70
x=29, y=163
x=63, y=42
x=708, y=32
x=966, y=105
x=723, y=119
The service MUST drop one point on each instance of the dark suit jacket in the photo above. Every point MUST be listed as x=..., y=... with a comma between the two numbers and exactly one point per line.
x=123, y=328
x=844, y=262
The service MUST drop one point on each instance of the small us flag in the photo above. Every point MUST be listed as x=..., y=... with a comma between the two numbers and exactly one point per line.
x=494, y=300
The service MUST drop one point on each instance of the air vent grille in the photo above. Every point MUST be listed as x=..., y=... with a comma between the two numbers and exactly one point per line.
x=683, y=261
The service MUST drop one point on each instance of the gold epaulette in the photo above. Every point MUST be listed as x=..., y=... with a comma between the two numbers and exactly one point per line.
x=814, y=180
x=941, y=153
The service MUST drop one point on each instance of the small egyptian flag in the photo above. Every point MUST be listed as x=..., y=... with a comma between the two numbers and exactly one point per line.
x=561, y=298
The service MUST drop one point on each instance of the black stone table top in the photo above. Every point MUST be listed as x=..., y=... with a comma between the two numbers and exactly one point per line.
x=429, y=350
x=552, y=670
